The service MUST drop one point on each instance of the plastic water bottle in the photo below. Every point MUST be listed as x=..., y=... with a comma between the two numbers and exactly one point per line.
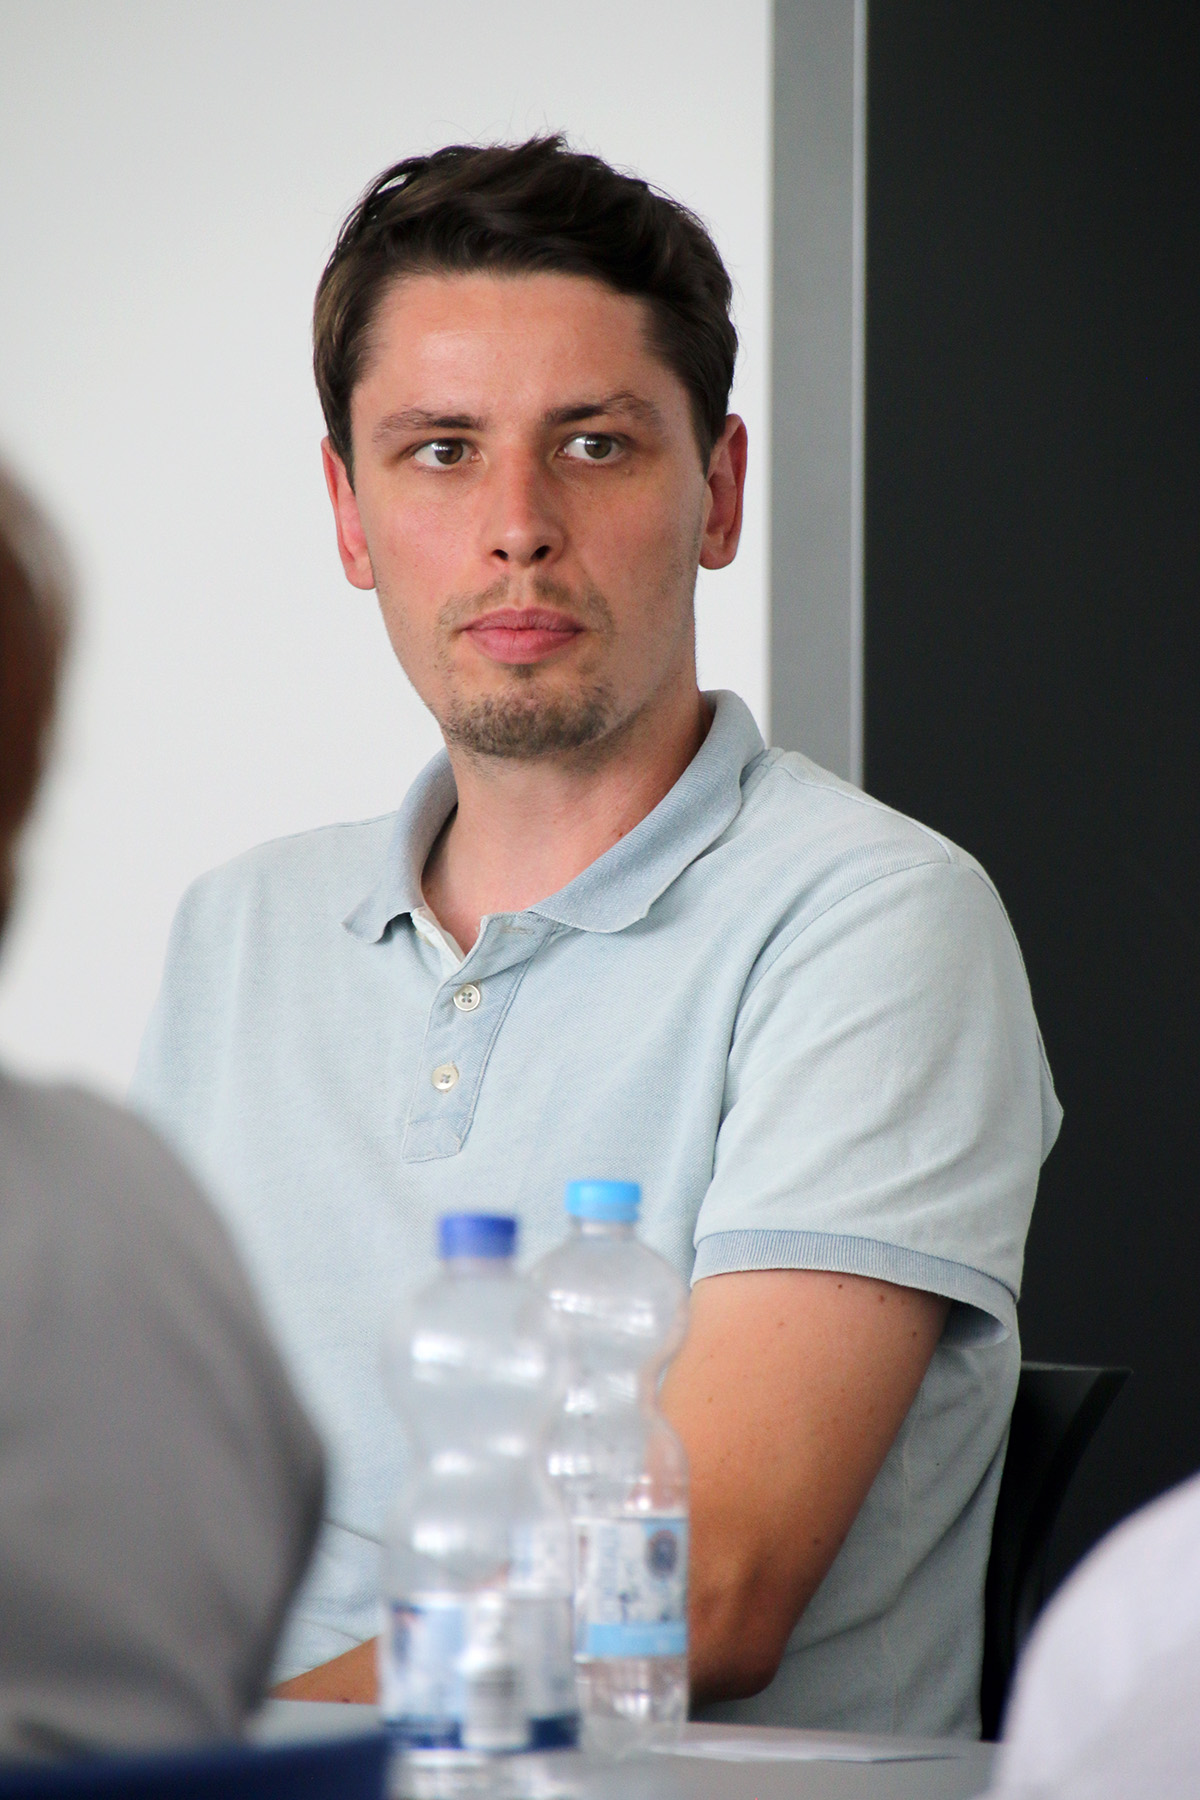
x=475, y=1649
x=621, y=1469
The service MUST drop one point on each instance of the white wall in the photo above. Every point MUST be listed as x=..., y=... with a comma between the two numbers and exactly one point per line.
x=171, y=177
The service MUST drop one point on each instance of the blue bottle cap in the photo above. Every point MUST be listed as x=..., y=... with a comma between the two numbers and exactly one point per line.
x=613, y=1202
x=476, y=1234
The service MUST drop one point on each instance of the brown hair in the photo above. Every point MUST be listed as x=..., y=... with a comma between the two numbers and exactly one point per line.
x=34, y=588
x=536, y=207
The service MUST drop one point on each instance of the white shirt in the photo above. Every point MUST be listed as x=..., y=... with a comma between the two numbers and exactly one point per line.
x=1107, y=1699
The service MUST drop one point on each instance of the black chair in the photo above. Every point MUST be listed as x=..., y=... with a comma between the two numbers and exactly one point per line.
x=345, y=1768
x=1055, y=1416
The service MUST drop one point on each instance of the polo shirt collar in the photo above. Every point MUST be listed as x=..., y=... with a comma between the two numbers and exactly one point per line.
x=427, y=805
x=621, y=886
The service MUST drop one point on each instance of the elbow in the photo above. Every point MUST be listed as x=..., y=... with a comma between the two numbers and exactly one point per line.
x=738, y=1638
x=735, y=1676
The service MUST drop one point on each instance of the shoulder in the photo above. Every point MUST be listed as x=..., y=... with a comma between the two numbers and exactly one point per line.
x=805, y=843
x=110, y=1250
x=325, y=867
x=147, y=1409
x=287, y=898
x=48, y=1130
x=785, y=791
x=865, y=900
x=95, y=1190
x=102, y=1218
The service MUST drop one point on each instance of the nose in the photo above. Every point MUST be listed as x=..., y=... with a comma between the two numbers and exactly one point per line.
x=523, y=526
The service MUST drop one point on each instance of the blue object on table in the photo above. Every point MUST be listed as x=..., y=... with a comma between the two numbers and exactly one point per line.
x=348, y=1768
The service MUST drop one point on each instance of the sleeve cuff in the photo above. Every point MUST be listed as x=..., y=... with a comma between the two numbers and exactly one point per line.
x=984, y=1310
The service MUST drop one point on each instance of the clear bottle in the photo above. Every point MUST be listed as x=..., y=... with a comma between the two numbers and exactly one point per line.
x=621, y=1469
x=475, y=1649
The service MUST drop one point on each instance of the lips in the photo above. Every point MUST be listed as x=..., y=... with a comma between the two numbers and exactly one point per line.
x=522, y=635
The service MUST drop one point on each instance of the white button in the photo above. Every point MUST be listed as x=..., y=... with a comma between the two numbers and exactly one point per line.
x=467, y=997
x=444, y=1077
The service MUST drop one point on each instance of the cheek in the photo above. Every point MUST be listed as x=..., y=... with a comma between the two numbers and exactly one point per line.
x=648, y=525
x=413, y=543
x=412, y=578
x=650, y=553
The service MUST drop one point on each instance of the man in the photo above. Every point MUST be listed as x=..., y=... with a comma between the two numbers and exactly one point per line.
x=609, y=934
x=160, y=1488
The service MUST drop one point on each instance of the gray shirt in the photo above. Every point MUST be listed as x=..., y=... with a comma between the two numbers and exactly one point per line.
x=160, y=1486
x=798, y=1019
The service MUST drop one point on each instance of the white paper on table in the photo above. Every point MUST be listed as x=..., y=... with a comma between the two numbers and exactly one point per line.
x=812, y=1747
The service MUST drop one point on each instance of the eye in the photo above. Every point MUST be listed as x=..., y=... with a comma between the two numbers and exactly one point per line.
x=441, y=453
x=592, y=446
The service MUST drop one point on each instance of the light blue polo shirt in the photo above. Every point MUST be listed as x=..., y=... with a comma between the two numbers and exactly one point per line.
x=800, y=1020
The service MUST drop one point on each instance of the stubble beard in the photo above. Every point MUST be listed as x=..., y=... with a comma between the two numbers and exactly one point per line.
x=524, y=721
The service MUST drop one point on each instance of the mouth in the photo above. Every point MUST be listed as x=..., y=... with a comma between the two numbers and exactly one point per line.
x=522, y=634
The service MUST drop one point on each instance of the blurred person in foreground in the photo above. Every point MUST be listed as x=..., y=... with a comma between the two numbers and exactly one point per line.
x=1106, y=1704
x=160, y=1487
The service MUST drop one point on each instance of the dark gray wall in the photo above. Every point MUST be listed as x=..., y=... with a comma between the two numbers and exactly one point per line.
x=1032, y=616
x=816, y=392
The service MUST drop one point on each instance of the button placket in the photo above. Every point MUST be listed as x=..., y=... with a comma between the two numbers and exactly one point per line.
x=466, y=1000
x=463, y=1024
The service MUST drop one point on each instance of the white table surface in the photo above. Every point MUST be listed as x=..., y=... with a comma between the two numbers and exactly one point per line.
x=916, y=1769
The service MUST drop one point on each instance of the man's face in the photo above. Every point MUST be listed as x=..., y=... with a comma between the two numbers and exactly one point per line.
x=530, y=504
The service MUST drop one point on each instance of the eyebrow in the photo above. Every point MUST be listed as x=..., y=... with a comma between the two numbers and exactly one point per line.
x=419, y=418
x=416, y=418
x=624, y=401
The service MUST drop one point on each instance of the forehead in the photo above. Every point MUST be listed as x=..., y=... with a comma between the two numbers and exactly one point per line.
x=510, y=338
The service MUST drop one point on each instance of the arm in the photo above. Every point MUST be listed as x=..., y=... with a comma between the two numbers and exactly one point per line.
x=351, y=1676
x=788, y=1393
x=884, y=1090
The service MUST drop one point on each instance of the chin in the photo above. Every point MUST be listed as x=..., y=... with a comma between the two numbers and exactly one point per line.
x=525, y=726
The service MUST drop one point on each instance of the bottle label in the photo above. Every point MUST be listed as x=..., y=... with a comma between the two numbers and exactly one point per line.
x=631, y=1587
x=453, y=1676
x=541, y=1559
x=421, y=1688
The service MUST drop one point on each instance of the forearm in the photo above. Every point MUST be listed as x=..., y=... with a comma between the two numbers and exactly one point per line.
x=753, y=1567
x=351, y=1676
x=740, y=1616
x=788, y=1395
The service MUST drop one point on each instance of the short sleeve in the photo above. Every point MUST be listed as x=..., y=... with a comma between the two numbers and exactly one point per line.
x=888, y=1106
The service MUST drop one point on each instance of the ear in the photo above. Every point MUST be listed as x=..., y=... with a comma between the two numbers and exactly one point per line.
x=726, y=485
x=351, y=539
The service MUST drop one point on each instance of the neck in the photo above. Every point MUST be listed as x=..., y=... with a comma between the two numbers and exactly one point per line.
x=523, y=830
